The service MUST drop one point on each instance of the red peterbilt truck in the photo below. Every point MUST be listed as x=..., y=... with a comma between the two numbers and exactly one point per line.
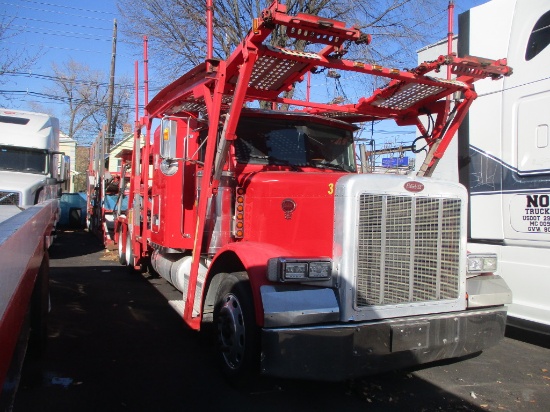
x=303, y=267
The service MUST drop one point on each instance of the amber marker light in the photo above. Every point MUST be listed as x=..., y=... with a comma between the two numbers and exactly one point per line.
x=238, y=228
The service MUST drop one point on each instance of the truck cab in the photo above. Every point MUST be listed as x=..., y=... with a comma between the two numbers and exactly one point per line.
x=502, y=151
x=31, y=166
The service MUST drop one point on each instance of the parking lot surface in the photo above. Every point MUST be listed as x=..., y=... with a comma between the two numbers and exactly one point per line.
x=116, y=345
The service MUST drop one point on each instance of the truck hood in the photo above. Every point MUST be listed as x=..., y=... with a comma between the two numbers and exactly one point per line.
x=282, y=184
x=20, y=182
x=291, y=210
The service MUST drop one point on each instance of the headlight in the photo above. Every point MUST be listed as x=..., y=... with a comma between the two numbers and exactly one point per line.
x=482, y=262
x=294, y=270
x=299, y=270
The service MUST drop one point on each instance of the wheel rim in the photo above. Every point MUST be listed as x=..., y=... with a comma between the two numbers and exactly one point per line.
x=121, y=249
x=231, y=331
x=129, y=253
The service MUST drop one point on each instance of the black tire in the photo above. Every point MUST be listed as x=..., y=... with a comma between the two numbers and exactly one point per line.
x=121, y=248
x=95, y=222
x=238, y=337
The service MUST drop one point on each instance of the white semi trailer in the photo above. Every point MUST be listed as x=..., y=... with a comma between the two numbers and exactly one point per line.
x=503, y=151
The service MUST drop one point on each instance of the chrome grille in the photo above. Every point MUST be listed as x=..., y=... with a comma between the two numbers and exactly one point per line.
x=408, y=249
x=9, y=198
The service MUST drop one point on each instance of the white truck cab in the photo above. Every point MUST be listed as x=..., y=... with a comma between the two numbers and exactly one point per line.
x=31, y=165
x=502, y=154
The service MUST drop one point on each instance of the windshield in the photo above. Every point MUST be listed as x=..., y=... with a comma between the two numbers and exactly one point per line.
x=19, y=159
x=295, y=143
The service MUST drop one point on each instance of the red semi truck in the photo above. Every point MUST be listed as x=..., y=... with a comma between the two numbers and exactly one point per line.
x=304, y=267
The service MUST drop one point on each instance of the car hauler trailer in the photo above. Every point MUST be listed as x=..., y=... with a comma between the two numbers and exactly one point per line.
x=306, y=268
x=31, y=170
x=101, y=192
x=502, y=154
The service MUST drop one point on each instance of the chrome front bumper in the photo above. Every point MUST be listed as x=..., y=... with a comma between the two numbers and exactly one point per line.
x=344, y=351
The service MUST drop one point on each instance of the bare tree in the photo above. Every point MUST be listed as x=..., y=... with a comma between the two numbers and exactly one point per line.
x=81, y=90
x=84, y=93
x=121, y=109
x=177, y=39
x=11, y=61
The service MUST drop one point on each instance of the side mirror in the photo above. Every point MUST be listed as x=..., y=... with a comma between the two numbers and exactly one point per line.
x=64, y=169
x=168, y=129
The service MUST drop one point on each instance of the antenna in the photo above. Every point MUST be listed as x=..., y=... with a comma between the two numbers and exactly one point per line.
x=450, y=34
x=209, y=31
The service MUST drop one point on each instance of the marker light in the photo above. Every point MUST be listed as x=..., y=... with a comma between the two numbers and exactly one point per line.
x=238, y=222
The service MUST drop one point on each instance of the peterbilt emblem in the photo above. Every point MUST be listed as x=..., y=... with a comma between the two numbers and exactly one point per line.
x=288, y=206
x=414, y=187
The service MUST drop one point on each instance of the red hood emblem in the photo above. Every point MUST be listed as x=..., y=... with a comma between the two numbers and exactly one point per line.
x=414, y=187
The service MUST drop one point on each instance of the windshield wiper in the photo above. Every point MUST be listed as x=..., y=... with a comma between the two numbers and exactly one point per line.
x=326, y=165
x=274, y=161
x=254, y=156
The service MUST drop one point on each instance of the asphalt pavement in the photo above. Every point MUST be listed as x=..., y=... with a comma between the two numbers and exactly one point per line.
x=115, y=344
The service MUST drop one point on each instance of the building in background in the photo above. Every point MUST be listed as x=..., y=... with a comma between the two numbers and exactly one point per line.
x=67, y=145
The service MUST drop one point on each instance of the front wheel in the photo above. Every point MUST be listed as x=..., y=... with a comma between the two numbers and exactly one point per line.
x=238, y=348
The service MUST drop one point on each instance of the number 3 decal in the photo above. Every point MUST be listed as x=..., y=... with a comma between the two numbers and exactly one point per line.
x=331, y=188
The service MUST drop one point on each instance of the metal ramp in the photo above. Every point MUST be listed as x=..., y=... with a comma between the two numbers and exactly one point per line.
x=274, y=71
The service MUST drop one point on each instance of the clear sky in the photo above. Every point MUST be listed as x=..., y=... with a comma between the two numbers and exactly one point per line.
x=59, y=30
x=82, y=30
